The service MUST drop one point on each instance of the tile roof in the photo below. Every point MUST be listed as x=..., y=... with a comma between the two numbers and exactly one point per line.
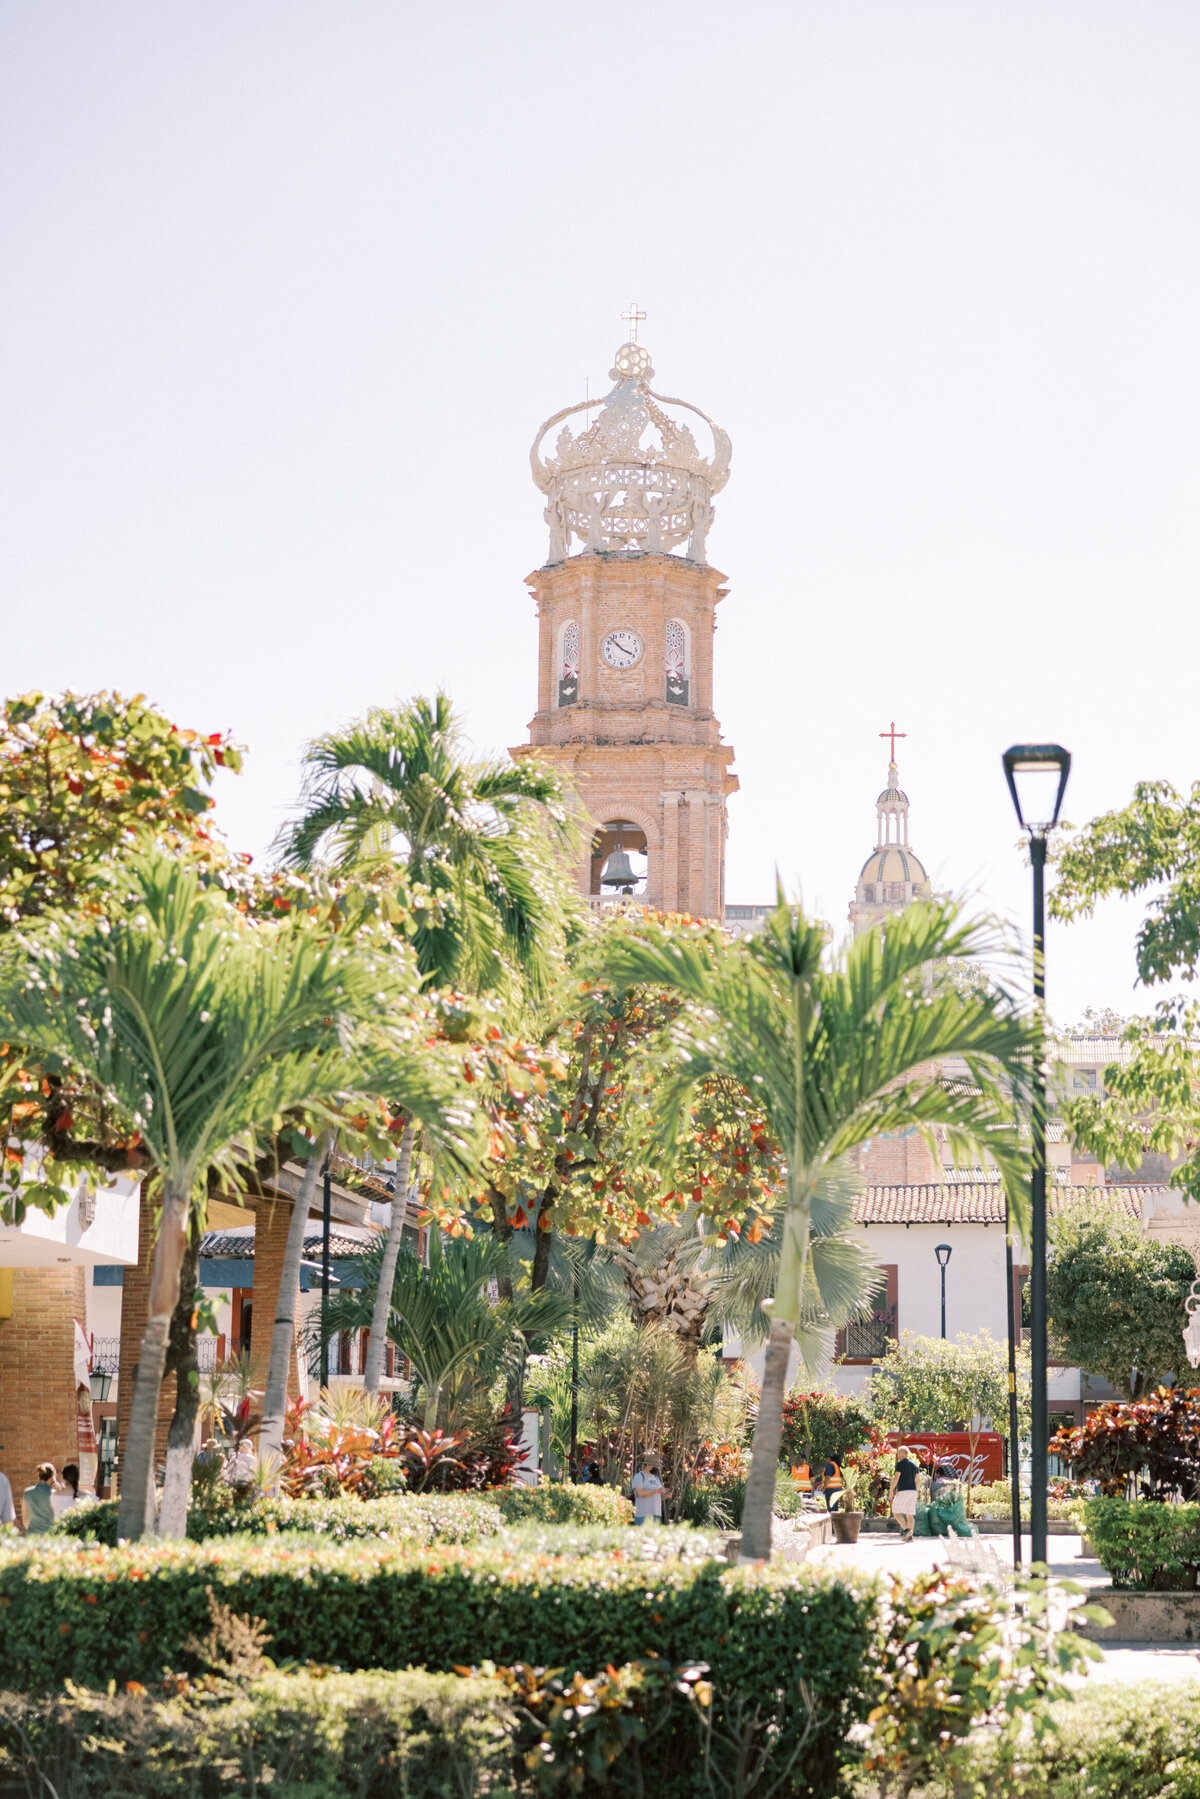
x=238, y=1246
x=979, y=1202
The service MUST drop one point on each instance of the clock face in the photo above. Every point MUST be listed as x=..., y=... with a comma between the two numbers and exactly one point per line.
x=621, y=649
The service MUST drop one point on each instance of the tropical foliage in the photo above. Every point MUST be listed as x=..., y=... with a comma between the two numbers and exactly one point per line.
x=1115, y=1297
x=938, y=1384
x=203, y=1031
x=447, y=1319
x=1154, y=1441
x=835, y=1050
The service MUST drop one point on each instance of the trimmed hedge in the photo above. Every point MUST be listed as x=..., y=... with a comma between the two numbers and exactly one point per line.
x=94, y=1614
x=1145, y=1543
x=561, y=1502
x=341, y=1735
x=416, y=1519
x=1111, y=1742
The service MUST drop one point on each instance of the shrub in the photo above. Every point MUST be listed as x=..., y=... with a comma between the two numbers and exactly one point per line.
x=1159, y=1434
x=777, y=1640
x=714, y=1504
x=416, y=1519
x=1110, y=1742
x=1144, y=1544
x=994, y=1500
x=955, y=1656
x=818, y=1425
x=340, y=1735
x=561, y=1502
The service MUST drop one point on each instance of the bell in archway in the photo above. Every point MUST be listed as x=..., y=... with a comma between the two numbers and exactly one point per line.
x=618, y=872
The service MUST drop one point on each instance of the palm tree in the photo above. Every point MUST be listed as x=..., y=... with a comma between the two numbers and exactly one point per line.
x=837, y=1048
x=444, y=1319
x=203, y=1031
x=474, y=833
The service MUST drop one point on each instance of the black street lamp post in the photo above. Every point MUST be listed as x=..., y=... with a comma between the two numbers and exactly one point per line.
x=943, y=1252
x=326, y=1211
x=1014, y=1439
x=1037, y=777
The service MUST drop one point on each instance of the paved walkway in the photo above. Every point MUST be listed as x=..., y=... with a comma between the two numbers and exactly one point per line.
x=881, y=1552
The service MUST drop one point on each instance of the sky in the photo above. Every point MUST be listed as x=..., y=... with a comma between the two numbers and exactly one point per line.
x=287, y=289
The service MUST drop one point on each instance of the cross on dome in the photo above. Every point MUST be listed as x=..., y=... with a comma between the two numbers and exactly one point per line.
x=893, y=733
x=633, y=318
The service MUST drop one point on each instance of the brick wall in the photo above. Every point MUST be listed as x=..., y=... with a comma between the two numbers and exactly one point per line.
x=37, y=1371
x=898, y=1162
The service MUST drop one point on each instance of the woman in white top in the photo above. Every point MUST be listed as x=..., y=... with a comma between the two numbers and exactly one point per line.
x=648, y=1492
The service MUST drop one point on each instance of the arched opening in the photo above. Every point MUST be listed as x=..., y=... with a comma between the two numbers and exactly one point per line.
x=619, y=860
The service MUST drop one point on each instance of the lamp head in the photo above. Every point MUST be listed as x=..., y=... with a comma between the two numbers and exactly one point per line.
x=943, y=1252
x=1037, y=779
x=100, y=1381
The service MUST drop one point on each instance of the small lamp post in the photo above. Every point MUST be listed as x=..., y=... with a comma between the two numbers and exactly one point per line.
x=943, y=1252
x=1037, y=778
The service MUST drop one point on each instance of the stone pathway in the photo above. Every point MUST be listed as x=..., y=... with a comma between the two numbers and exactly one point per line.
x=882, y=1553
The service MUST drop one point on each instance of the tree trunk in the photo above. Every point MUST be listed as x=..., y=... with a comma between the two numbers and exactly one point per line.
x=543, y=1235
x=514, y=1380
x=283, y=1331
x=377, y=1342
x=136, y=1509
x=768, y=1435
x=184, y=1363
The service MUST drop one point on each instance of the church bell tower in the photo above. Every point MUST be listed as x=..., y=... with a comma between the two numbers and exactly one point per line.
x=626, y=606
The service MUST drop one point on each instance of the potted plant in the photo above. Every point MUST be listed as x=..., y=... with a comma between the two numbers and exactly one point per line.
x=848, y=1518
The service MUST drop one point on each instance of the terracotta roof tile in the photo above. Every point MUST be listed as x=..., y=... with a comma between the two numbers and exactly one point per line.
x=979, y=1202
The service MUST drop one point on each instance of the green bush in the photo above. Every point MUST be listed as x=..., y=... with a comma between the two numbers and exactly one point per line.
x=994, y=1500
x=343, y=1736
x=561, y=1502
x=412, y=1518
x=819, y=1424
x=774, y=1639
x=1110, y=1742
x=1144, y=1543
x=660, y=1543
x=714, y=1504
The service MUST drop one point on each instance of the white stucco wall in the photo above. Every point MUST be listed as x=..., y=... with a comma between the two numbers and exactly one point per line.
x=43, y=1238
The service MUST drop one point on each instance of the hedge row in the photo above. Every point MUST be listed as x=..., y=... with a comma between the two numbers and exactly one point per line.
x=768, y=1635
x=561, y=1502
x=416, y=1519
x=1110, y=1742
x=344, y=1736
x=1145, y=1543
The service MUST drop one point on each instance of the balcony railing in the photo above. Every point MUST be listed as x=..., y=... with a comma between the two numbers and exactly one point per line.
x=869, y=1337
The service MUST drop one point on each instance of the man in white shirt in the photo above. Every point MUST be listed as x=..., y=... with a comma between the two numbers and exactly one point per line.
x=648, y=1492
x=8, y=1511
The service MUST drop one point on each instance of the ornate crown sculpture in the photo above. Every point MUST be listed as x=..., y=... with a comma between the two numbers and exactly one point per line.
x=613, y=492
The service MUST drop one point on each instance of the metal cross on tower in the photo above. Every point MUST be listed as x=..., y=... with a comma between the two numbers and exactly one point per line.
x=893, y=733
x=633, y=319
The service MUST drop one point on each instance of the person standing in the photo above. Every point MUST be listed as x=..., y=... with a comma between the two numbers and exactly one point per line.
x=8, y=1511
x=831, y=1485
x=37, y=1502
x=648, y=1491
x=902, y=1494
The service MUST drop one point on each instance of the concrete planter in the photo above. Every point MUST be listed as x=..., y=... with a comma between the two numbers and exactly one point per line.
x=1145, y=1617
